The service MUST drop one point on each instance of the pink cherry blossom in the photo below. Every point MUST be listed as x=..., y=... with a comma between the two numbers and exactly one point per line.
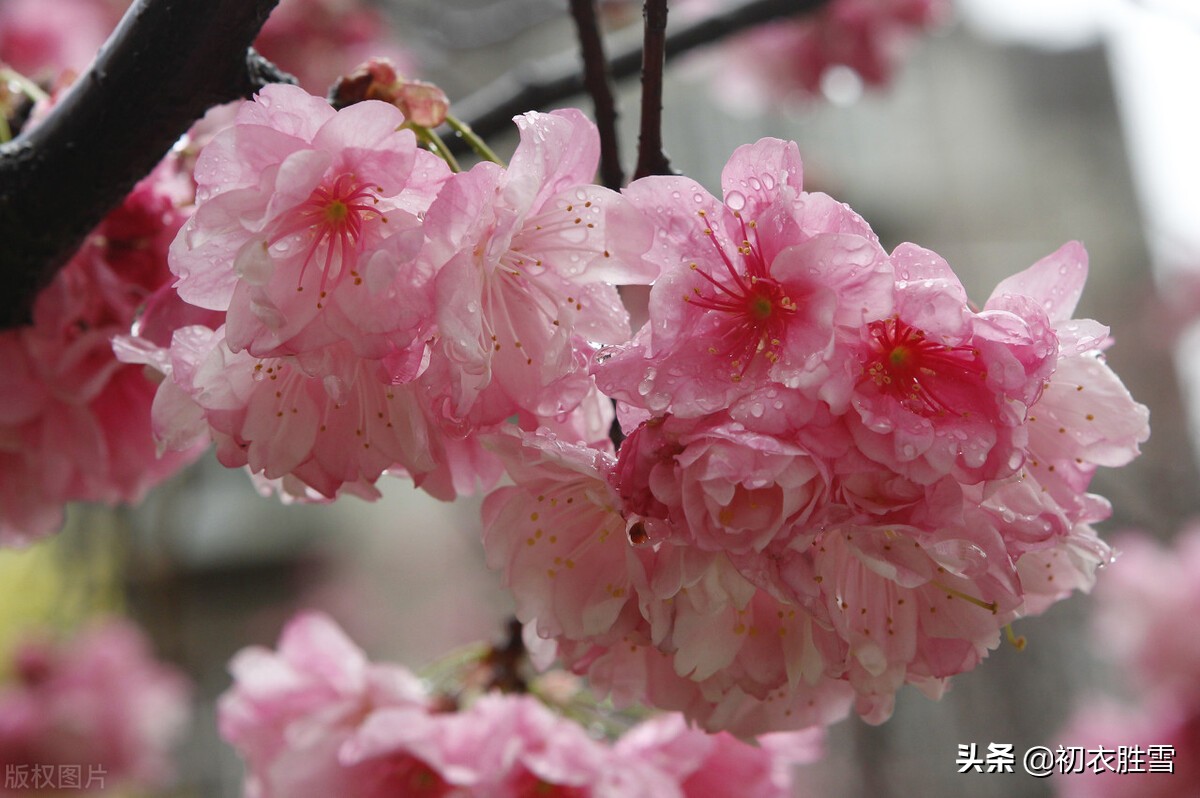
x=723, y=487
x=293, y=715
x=1085, y=416
x=98, y=699
x=719, y=764
x=74, y=422
x=316, y=718
x=337, y=430
x=510, y=746
x=944, y=389
x=667, y=624
x=763, y=289
x=306, y=230
x=524, y=258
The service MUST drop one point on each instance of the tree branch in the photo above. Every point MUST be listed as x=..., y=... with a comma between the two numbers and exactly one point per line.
x=652, y=160
x=167, y=63
x=491, y=109
x=596, y=81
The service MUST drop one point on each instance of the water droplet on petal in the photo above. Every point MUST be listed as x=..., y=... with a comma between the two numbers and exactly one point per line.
x=735, y=200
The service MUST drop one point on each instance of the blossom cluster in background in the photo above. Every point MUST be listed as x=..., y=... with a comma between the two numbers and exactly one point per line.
x=316, y=718
x=74, y=421
x=1147, y=605
x=795, y=60
x=315, y=40
x=98, y=701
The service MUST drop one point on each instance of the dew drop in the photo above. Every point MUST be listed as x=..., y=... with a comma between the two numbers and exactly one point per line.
x=606, y=353
x=735, y=200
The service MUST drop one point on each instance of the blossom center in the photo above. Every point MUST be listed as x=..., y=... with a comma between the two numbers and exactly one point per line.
x=331, y=224
x=925, y=377
x=754, y=307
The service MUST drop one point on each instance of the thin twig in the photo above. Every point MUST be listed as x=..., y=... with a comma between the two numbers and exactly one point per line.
x=538, y=85
x=598, y=84
x=167, y=63
x=652, y=160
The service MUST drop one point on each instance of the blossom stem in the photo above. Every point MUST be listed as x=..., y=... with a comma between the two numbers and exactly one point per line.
x=27, y=86
x=542, y=84
x=1017, y=642
x=433, y=142
x=465, y=133
x=598, y=83
x=651, y=158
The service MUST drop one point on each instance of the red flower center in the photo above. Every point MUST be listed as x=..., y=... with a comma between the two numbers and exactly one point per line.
x=756, y=306
x=333, y=219
x=927, y=378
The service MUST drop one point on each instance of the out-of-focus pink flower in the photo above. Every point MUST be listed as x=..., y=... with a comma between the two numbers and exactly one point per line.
x=711, y=765
x=1149, y=595
x=1146, y=594
x=1150, y=752
x=74, y=422
x=787, y=60
x=315, y=718
x=293, y=713
x=40, y=39
x=320, y=40
x=97, y=701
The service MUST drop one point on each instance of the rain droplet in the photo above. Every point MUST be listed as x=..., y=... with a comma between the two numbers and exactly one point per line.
x=735, y=200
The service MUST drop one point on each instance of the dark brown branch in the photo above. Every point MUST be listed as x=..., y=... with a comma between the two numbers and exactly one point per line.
x=491, y=109
x=652, y=160
x=166, y=64
x=599, y=86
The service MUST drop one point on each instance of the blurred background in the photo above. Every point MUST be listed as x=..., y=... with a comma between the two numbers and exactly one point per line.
x=1017, y=126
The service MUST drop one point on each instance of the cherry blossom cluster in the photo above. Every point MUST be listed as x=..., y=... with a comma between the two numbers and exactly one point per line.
x=316, y=718
x=74, y=421
x=98, y=700
x=381, y=314
x=839, y=475
x=1146, y=606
